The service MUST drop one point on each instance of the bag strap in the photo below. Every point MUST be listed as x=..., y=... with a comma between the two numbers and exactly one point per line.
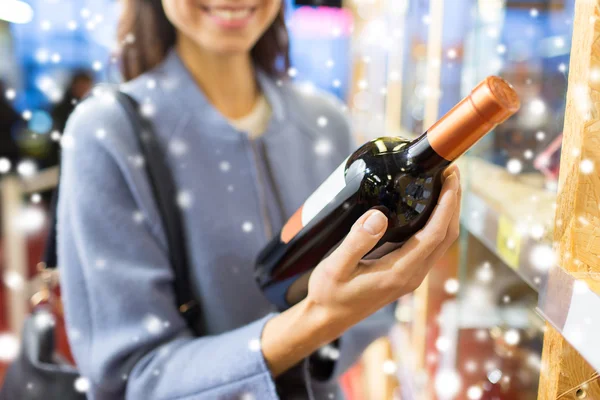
x=163, y=189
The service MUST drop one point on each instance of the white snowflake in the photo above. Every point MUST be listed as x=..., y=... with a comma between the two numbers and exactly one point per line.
x=452, y=54
x=362, y=84
x=534, y=12
x=82, y=384
x=383, y=91
x=151, y=83
x=474, y=393
x=44, y=321
x=247, y=396
x=426, y=19
x=45, y=25
x=13, y=280
x=501, y=49
x=586, y=166
x=147, y=109
x=124, y=377
x=512, y=337
x=537, y=107
x=481, y=335
x=336, y=83
x=322, y=121
x=540, y=136
x=447, y=383
x=100, y=263
x=55, y=58
x=136, y=160
x=451, y=286
x=129, y=38
x=230, y=188
x=254, y=345
x=224, y=166
x=30, y=219
x=156, y=372
x=323, y=147
x=153, y=324
x=26, y=115
x=366, y=59
x=470, y=366
x=5, y=165
x=101, y=133
x=494, y=376
x=85, y=13
x=542, y=257
x=562, y=67
x=247, y=227
x=537, y=231
x=514, y=166
x=389, y=367
x=184, y=199
x=10, y=94
x=29, y=385
x=528, y=154
x=72, y=25
x=90, y=25
x=292, y=72
x=559, y=42
x=26, y=168
x=442, y=344
x=329, y=63
x=36, y=198
x=9, y=347
x=98, y=18
x=138, y=217
x=279, y=82
x=506, y=299
x=166, y=324
x=178, y=147
x=394, y=75
x=67, y=142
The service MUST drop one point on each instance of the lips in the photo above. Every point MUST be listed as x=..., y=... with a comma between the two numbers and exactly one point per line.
x=229, y=13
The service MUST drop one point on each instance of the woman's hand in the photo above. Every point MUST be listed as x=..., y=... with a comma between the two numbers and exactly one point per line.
x=344, y=289
x=348, y=288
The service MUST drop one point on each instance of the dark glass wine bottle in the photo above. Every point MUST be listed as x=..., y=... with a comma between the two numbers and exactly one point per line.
x=399, y=177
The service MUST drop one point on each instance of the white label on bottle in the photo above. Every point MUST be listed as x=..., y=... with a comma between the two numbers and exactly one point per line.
x=324, y=194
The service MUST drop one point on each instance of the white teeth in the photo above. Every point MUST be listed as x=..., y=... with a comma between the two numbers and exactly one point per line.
x=230, y=15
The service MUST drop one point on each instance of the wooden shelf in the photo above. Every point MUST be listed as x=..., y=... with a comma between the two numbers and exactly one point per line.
x=495, y=203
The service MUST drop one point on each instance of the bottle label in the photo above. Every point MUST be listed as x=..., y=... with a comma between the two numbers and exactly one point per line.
x=317, y=201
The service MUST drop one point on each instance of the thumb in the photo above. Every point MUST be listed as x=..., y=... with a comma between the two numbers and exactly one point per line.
x=363, y=236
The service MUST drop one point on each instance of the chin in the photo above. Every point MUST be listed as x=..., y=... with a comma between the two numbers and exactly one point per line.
x=229, y=46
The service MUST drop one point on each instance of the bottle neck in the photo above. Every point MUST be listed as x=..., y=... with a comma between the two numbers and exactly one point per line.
x=421, y=153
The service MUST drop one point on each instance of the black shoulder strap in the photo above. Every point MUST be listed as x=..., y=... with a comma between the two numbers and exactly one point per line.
x=163, y=187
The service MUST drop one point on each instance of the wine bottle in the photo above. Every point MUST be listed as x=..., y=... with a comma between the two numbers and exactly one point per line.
x=401, y=178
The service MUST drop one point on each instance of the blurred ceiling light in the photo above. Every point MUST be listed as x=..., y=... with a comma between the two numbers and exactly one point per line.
x=17, y=12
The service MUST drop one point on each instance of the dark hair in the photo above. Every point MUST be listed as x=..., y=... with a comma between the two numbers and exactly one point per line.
x=146, y=35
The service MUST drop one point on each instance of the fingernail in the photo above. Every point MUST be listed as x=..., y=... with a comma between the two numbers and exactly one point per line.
x=375, y=223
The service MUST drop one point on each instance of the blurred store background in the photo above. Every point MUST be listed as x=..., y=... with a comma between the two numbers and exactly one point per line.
x=472, y=330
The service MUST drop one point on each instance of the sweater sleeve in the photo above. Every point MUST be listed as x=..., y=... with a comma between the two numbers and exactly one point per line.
x=123, y=325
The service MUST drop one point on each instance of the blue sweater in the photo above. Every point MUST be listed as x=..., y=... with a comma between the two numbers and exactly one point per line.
x=124, y=329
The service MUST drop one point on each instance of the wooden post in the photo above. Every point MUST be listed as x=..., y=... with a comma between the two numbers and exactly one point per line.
x=577, y=225
x=15, y=253
x=432, y=103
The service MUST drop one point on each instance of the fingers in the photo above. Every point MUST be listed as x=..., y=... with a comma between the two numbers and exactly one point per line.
x=363, y=236
x=425, y=241
x=449, y=171
x=451, y=235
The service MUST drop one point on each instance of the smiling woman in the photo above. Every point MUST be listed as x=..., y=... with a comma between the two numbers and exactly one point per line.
x=148, y=29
